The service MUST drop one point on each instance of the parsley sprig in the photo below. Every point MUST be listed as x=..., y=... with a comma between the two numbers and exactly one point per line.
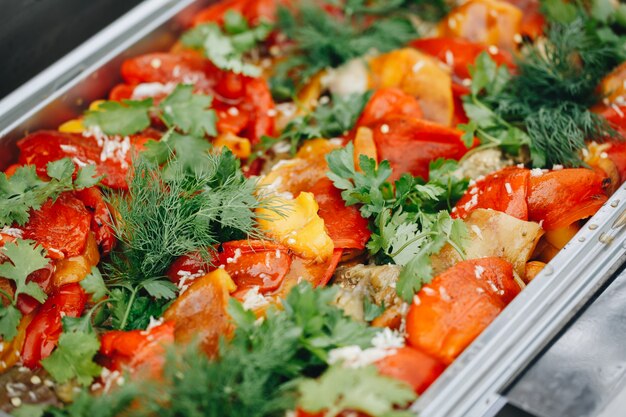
x=227, y=47
x=361, y=389
x=182, y=111
x=410, y=220
x=25, y=191
x=23, y=257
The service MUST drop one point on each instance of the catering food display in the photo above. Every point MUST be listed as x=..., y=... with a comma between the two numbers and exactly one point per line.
x=304, y=208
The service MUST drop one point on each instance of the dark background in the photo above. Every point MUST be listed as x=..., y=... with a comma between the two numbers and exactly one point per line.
x=36, y=33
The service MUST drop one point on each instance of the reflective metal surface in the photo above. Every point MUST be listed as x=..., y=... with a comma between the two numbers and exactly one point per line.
x=583, y=374
x=471, y=385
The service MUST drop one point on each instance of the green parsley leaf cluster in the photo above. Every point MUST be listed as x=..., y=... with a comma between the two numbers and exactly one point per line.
x=410, y=219
x=21, y=258
x=25, y=191
x=182, y=110
x=227, y=46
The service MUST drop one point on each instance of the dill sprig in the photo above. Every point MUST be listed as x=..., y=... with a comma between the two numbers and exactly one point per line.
x=256, y=372
x=161, y=218
x=321, y=40
x=546, y=103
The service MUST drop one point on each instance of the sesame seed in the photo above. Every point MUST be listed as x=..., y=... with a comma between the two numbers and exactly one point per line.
x=509, y=189
x=35, y=380
x=233, y=111
x=493, y=50
x=16, y=401
x=517, y=38
x=155, y=63
x=384, y=128
x=418, y=66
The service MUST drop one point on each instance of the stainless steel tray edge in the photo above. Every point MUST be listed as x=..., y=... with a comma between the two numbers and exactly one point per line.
x=471, y=385
x=88, y=72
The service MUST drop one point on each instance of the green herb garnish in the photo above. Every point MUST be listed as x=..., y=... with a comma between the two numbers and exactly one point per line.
x=25, y=191
x=410, y=219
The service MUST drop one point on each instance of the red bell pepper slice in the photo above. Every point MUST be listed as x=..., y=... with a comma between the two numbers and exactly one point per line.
x=410, y=144
x=559, y=198
x=253, y=263
x=413, y=367
x=505, y=191
x=617, y=154
x=137, y=349
x=460, y=53
x=387, y=102
x=533, y=21
x=250, y=96
x=186, y=265
x=44, y=146
x=61, y=226
x=100, y=217
x=43, y=332
x=253, y=10
x=345, y=225
x=450, y=312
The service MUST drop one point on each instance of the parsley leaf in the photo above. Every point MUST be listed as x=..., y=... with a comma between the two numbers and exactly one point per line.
x=23, y=258
x=226, y=47
x=73, y=357
x=362, y=389
x=94, y=284
x=189, y=112
x=178, y=152
x=372, y=310
x=25, y=191
x=125, y=118
x=410, y=219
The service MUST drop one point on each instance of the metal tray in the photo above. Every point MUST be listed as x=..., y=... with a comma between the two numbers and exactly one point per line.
x=471, y=386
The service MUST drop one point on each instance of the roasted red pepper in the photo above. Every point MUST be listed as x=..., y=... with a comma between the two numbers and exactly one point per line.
x=345, y=225
x=451, y=311
x=250, y=97
x=255, y=263
x=43, y=332
x=413, y=367
x=389, y=102
x=557, y=199
x=100, y=217
x=460, y=53
x=505, y=191
x=137, y=349
x=60, y=226
x=410, y=144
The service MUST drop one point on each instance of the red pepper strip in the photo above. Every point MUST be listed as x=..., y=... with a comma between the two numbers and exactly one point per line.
x=387, y=102
x=250, y=96
x=44, y=146
x=137, y=348
x=100, y=218
x=533, y=20
x=460, y=52
x=43, y=332
x=345, y=225
x=617, y=154
x=253, y=10
x=559, y=198
x=413, y=367
x=505, y=191
x=450, y=312
x=62, y=226
x=253, y=263
x=410, y=144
